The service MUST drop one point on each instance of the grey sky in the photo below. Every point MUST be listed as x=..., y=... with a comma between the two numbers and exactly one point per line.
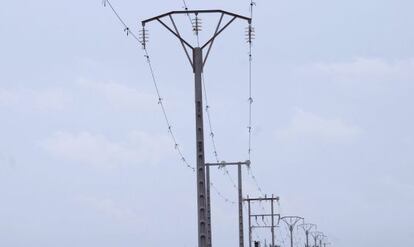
x=85, y=156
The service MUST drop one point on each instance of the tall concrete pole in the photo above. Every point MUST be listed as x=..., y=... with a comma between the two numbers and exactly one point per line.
x=321, y=240
x=250, y=222
x=241, y=234
x=307, y=238
x=201, y=175
x=209, y=234
x=273, y=222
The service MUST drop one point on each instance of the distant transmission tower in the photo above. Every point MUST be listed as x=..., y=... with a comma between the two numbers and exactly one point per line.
x=291, y=221
x=198, y=61
x=307, y=228
x=316, y=235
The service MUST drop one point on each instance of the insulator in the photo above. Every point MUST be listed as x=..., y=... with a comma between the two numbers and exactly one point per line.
x=250, y=34
x=104, y=2
x=196, y=25
x=143, y=37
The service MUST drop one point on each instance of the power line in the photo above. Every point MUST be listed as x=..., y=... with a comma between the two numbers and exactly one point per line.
x=160, y=102
x=250, y=99
x=186, y=9
x=250, y=36
x=224, y=198
x=212, y=135
x=208, y=113
x=129, y=32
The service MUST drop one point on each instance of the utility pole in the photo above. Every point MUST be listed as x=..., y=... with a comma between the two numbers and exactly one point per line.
x=291, y=221
x=240, y=192
x=197, y=61
x=322, y=237
x=315, y=236
x=307, y=227
x=271, y=215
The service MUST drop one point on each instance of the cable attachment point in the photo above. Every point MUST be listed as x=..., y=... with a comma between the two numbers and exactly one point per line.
x=143, y=37
x=126, y=30
x=196, y=25
x=222, y=165
x=252, y=4
x=104, y=2
x=250, y=34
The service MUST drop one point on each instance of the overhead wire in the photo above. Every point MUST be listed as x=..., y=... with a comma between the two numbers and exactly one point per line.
x=167, y=120
x=160, y=102
x=209, y=118
x=127, y=30
x=250, y=104
x=177, y=147
x=250, y=99
x=186, y=9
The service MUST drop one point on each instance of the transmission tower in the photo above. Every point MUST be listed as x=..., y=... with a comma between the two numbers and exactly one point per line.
x=326, y=244
x=321, y=238
x=291, y=221
x=198, y=61
x=272, y=216
x=316, y=235
x=307, y=227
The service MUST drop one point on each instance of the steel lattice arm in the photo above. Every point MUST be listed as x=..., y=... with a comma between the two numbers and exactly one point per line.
x=291, y=221
x=185, y=44
x=307, y=227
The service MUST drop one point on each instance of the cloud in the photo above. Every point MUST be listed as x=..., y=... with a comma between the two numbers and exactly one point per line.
x=309, y=125
x=120, y=96
x=108, y=207
x=115, y=96
x=98, y=150
x=366, y=70
x=51, y=99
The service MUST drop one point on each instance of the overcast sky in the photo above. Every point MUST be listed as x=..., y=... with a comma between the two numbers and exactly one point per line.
x=86, y=158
